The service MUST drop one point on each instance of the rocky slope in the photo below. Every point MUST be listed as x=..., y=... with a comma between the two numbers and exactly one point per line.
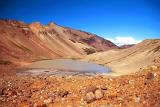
x=138, y=90
x=125, y=61
x=21, y=41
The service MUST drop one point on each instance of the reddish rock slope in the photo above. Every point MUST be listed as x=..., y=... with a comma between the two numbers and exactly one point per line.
x=21, y=41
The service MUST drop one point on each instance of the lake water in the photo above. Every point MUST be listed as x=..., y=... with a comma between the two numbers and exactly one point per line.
x=70, y=65
x=65, y=67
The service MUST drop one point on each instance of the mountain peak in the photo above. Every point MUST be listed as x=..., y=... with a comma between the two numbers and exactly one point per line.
x=52, y=24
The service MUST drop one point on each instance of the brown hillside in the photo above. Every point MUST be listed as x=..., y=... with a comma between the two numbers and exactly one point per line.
x=125, y=61
x=21, y=41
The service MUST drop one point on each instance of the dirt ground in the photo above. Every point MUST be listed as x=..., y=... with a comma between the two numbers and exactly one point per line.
x=137, y=90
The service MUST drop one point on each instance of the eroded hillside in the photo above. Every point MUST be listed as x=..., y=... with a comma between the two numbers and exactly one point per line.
x=126, y=61
x=22, y=42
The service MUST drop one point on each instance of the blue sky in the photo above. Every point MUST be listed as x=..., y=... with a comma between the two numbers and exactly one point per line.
x=117, y=20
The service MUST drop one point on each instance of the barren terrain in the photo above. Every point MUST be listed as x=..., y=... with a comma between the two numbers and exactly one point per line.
x=137, y=90
x=130, y=60
x=134, y=80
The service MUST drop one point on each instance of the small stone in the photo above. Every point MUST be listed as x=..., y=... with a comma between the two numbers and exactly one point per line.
x=106, y=105
x=40, y=104
x=113, y=94
x=1, y=99
x=137, y=99
x=149, y=75
x=131, y=81
x=103, y=87
x=14, y=101
x=154, y=67
x=50, y=105
x=1, y=91
x=98, y=76
x=47, y=101
x=98, y=94
x=63, y=93
x=38, y=84
x=111, y=79
x=89, y=97
x=91, y=89
x=24, y=104
x=10, y=93
x=46, y=71
x=155, y=74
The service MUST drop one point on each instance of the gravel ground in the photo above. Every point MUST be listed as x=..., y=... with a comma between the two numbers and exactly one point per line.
x=137, y=90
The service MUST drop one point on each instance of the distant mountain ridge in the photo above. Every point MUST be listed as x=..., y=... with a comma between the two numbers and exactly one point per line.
x=126, y=46
x=21, y=41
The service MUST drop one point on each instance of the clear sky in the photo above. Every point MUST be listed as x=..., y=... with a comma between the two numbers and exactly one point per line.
x=118, y=20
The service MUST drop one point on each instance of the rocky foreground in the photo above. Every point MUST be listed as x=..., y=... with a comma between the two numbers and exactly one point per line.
x=137, y=90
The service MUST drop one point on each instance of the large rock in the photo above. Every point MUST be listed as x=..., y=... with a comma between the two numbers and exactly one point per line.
x=98, y=94
x=89, y=97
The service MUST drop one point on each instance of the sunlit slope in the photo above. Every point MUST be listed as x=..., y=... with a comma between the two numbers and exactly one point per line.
x=21, y=41
x=125, y=61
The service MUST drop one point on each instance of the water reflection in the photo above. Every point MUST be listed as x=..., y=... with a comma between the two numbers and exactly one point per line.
x=71, y=65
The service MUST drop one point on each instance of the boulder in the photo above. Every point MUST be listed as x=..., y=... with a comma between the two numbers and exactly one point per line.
x=98, y=94
x=89, y=97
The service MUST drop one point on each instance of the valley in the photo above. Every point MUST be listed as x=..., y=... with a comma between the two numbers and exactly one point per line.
x=56, y=66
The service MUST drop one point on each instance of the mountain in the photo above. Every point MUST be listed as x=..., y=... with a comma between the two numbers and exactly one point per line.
x=21, y=41
x=126, y=46
x=130, y=60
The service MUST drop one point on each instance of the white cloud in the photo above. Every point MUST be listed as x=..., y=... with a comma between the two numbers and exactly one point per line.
x=124, y=40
